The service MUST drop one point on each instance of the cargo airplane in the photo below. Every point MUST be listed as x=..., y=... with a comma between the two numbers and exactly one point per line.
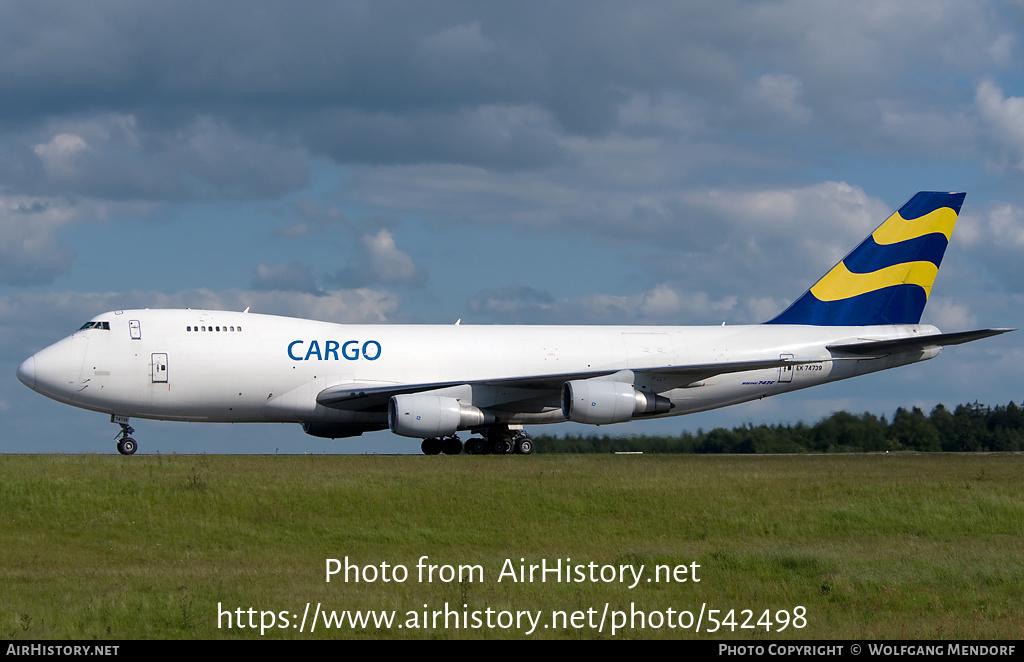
x=431, y=381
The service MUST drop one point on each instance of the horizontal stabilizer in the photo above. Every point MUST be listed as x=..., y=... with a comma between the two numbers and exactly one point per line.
x=884, y=347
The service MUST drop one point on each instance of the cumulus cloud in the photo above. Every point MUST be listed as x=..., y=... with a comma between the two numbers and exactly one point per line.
x=837, y=206
x=352, y=82
x=114, y=156
x=358, y=305
x=949, y=315
x=1006, y=225
x=293, y=276
x=773, y=239
x=309, y=217
x=58, y=154
x=370, y=241
x=380, y=261
x=1002, y=48
x=995, y=227
x=512, y=302
x=781, y=95
x=502, y=136
x=29, y=320
x=386, y=261
x=234, y=116
x=788, y=235
x=30, y=251
x=460, y=45
x=1004, y=118
x=661, y=304
x=990, y=237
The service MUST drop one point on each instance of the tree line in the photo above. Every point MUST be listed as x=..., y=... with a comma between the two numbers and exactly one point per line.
x=968, y=428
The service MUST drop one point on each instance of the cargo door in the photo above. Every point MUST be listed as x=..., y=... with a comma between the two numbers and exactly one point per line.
x=159, y=368
x=786, y=371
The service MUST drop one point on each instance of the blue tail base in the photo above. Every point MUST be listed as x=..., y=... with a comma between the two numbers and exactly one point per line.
x=900, y=304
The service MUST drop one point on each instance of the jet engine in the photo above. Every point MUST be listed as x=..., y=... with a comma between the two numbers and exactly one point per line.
x=422, y=415
x=600, y=402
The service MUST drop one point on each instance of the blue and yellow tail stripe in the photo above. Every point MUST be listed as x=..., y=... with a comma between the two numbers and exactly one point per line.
x=888, y=278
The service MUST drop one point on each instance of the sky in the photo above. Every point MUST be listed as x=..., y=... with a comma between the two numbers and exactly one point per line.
x=532, y=163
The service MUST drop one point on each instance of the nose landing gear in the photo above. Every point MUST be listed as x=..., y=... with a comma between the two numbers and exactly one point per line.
x=125, y=444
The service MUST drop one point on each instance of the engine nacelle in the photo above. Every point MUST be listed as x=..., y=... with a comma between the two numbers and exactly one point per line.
x=422, y=415
x=600, y=402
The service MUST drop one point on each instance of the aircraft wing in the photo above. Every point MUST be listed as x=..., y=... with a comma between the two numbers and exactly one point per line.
x=878, y=348
x=375, y=396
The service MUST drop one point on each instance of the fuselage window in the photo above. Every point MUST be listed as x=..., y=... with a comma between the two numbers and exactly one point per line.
x=232, y=328
x=204, y=328
x=188, y=328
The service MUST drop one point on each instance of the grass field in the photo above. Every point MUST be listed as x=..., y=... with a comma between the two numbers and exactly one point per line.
x=871, y=546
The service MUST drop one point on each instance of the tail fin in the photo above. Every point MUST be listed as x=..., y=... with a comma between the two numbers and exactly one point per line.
x=887, y=279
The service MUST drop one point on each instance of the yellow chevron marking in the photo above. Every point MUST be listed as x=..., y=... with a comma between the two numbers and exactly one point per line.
x=841, y=283
x=897, y=229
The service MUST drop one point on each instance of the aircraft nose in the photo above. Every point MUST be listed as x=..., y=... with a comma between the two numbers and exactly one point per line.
x=27, y=372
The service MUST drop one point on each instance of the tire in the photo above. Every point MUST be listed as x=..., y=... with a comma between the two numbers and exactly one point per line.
x=524, y=446
x=127, y=446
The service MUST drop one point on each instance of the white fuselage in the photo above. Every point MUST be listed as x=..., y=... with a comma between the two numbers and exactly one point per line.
x=194, y=365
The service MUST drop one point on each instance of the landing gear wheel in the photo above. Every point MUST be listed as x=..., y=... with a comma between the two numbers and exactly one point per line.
x=431, y=446
x=451, y=446
x=476, y=446
x=501, y=440
x=125, y=444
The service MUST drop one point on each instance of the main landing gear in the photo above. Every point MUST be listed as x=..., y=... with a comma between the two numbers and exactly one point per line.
x=497, y=440
x=449, y=445
x=125, y=444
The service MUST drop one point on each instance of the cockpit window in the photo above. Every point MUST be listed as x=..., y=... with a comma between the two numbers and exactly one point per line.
x=96, y=325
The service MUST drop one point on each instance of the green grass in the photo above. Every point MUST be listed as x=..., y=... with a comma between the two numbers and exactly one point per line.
x=874, y=546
